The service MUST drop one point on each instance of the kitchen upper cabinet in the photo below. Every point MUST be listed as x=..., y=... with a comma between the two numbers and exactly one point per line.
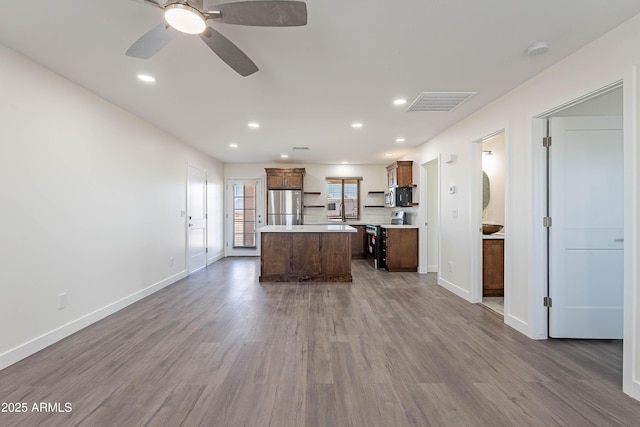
x=400, y=249
x=284, y=179
x=400, y=174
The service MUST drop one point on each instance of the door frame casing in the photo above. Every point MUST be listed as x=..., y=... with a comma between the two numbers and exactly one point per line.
x=538, y=328
x=425, y=197
x=475, y=217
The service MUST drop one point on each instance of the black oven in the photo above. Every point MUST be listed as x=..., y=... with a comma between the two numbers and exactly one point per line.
x=374, y=249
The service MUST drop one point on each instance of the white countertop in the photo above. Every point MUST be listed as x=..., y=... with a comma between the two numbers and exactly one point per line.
x=494, y=236
x=308, y=228
x=398, y=226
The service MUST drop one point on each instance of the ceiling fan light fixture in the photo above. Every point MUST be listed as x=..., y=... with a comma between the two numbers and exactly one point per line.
x=185, y=18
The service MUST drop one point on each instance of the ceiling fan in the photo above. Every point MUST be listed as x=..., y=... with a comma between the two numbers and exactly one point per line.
x=191, y=16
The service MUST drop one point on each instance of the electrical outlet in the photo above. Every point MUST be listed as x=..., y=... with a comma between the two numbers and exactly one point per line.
x=454, y=213
x=62, y=301
x=450, y=267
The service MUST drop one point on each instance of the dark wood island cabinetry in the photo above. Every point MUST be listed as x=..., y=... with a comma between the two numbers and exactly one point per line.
x=313, y=253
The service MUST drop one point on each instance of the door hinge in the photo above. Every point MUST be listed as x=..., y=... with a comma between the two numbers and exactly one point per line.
x=206, y=250
x=546, y=141
x=547, y=301
x=546, y=221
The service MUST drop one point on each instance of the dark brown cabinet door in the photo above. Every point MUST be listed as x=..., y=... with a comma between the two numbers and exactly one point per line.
x=493, y=268
x=276, y=253
x=306, y=253
x=275, y=180
x=334, y=246
x=400, y=249
x=405, y=174
x=293, y=181
x=400, y=174
x=359, y=242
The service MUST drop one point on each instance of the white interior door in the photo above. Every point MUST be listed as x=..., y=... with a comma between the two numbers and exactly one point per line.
x=196, y=219
x=245, y=213
x=586, y=236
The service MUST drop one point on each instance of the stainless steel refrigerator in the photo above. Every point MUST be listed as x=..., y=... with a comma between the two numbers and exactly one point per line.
x=285, y=207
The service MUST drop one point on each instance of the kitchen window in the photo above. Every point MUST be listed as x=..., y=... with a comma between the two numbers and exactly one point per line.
x=343, y=198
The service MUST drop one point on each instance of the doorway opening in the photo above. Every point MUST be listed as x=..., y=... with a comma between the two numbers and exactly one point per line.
x=244, y=215
x=196, y=219
x=585, y=232
x=493, y=221
x=430, y=227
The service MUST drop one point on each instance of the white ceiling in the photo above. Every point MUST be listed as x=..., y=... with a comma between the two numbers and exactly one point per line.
x=348, y=64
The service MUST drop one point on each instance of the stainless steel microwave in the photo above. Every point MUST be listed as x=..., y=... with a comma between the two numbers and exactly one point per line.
x=396, y=197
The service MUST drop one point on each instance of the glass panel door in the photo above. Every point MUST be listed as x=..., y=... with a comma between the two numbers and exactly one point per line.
x=244, y=215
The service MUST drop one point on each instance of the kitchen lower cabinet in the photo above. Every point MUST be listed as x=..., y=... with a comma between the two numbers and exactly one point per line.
x=493, y=268
x=399, y=249
x=305, y=256
x=359, y=242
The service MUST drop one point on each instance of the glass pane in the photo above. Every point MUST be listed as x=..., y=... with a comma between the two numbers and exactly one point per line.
x=342, y=199
x=244, y=216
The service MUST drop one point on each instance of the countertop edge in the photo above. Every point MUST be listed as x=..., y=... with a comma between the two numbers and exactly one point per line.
x=309, y=228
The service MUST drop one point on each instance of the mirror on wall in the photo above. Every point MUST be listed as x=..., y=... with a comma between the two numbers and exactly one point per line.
x=486, y=190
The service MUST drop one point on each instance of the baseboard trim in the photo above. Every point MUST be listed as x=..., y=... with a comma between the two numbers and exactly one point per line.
x=519, y=325
x=45, y=340
x=215, y=258
x=462, y=293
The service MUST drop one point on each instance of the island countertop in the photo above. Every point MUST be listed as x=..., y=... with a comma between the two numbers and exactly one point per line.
x=309, y=228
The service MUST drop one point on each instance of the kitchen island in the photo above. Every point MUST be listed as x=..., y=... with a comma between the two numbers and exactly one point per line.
x=305, y=253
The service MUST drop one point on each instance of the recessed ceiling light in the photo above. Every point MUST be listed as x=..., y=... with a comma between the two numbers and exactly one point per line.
x=399, y=101
x=284, y=156
x=233, y=145
x=146, y=78
x=356, y=125
x=400, y=139
x=388, y=154
x=345, y=163
x=254, y=125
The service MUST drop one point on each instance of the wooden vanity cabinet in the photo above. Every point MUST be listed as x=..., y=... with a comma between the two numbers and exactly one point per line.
x=493, y=268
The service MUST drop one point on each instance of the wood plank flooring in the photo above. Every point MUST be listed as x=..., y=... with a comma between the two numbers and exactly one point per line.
x=390, y=349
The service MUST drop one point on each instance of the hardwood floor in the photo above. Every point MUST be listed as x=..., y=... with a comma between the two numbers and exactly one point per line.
x=390, y=349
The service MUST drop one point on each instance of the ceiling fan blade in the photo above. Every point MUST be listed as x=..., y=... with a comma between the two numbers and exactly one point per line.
x=228, y=52
x=151, y=42
x=263, y=13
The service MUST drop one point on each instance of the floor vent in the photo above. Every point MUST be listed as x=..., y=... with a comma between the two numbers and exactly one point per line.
x=300, y=148
x=439, y=101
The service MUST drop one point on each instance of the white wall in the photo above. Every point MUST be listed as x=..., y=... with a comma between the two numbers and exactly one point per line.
x=91, y=207
x=374, y=178
x=493, y=164
x=581, y=73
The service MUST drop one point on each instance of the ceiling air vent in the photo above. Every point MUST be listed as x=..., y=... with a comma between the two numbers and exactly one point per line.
x=439, y=101
x=300, y=148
